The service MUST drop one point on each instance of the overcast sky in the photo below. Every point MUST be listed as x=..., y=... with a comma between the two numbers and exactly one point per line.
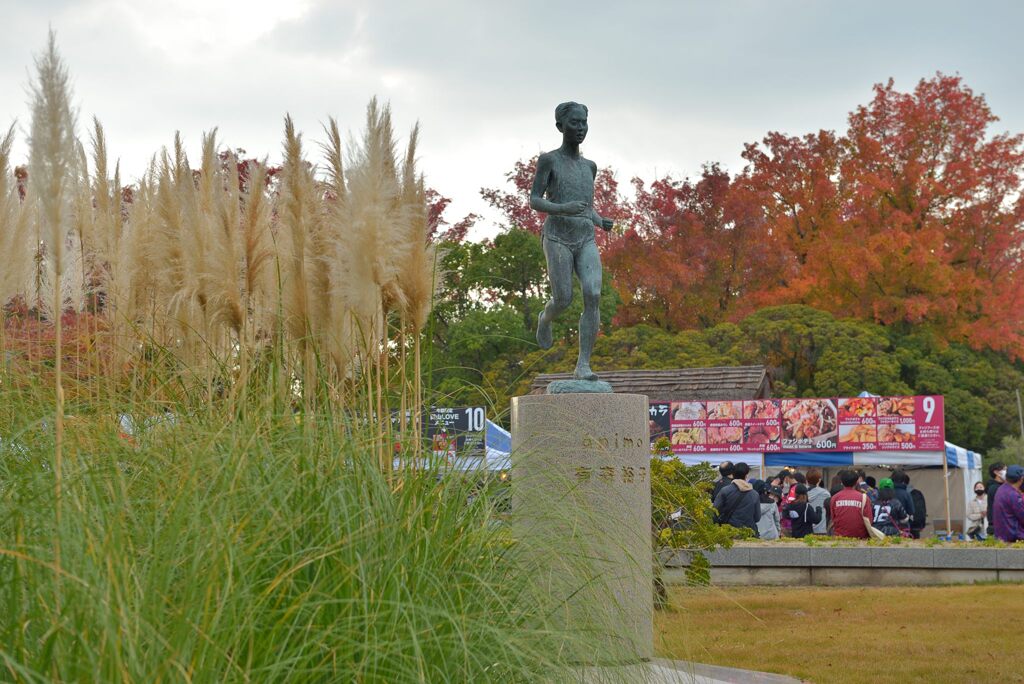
x=670, y=85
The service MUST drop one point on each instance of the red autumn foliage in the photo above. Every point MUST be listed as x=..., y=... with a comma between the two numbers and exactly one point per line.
x=30, y=344
x=438, y=228
x=692, y=253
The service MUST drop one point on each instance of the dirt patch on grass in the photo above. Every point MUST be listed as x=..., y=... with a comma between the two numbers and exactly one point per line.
x=850, y=635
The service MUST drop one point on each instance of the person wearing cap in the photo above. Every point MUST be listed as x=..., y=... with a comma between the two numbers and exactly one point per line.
x=889, y=513
x=1008, y=507
x=996, y=477
x=790, y=482
x=801, y=514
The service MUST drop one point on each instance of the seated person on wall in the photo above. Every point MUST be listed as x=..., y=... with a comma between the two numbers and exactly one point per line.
x=737, y=503
x=869, y=487
x=1008, y=507
x=768, y=526
x=818, y=497
x=801, y=514
x=977, y=513
x=725, y=477
x=919, y=513
x=850, y=509
x=890, y=516
x=793, y=478
x=901, y=481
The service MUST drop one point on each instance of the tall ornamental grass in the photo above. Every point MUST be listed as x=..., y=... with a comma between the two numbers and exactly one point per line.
x=216, y=264
x=199, y=477
x=208, y=548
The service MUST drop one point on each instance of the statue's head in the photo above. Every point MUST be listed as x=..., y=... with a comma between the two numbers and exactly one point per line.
x=571, y=120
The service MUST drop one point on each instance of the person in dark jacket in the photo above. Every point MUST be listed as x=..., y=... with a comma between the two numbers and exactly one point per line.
x=997, y=476
x=737, y=503
x=801, y=514
x=725, y=471
x=890, y=516
x=919, y=516
x=1008, y=517
x=901, y=481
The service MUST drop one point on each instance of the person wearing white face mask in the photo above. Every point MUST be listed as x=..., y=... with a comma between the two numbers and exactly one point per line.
x=977, y=513
x=997, y=476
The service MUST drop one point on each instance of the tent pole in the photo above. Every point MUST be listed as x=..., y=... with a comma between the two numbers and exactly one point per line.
x=945, y=482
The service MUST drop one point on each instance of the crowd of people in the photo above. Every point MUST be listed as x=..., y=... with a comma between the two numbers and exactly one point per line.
x=796, y=504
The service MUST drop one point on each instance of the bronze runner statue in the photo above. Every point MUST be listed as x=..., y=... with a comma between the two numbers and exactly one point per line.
x=564, y=189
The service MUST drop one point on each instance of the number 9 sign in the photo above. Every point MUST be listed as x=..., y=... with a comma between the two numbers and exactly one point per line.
x=928, y=404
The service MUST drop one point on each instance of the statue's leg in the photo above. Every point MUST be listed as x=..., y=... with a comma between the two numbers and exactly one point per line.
x=560, y=266
x=588, y=269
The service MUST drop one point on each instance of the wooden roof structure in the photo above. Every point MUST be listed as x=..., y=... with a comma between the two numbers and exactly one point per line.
x=680, y=384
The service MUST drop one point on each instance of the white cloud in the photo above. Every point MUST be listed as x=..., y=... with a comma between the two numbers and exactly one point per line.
x=190, y=31
x=670, y=85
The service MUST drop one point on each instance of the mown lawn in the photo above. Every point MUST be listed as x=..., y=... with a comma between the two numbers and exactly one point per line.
x=851, y=635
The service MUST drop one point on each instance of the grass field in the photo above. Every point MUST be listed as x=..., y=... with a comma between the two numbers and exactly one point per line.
x=851, y=635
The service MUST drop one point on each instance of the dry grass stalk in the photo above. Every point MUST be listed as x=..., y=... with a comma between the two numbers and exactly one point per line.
x=297, y=215
x=53, y=169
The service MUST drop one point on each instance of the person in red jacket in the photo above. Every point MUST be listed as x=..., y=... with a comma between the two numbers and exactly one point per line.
x=849, y=508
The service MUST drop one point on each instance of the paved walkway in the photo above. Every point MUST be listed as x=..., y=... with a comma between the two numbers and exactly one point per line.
x=660, y=671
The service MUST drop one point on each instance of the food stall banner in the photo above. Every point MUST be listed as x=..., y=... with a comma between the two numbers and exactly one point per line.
x=457, y=432
x=849, y=424
x=453, y=433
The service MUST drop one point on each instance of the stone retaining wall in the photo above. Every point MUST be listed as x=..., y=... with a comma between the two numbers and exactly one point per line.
x=792, y=564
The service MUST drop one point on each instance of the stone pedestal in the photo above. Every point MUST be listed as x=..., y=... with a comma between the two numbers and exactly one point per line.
x=581, y=498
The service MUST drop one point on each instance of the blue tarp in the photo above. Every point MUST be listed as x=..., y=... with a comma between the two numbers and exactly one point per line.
x=808, y=458
x=499, y=446
x=956, y=457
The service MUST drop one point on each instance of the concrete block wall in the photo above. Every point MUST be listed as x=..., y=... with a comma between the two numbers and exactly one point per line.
x=792, y=564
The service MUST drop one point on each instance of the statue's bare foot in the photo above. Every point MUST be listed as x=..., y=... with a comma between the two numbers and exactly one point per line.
x=583, y=372
x=544, y=338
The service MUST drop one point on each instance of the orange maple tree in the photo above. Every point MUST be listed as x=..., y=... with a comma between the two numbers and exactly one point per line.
x=912, y=218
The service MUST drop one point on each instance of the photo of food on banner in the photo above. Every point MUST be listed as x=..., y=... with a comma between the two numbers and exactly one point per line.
x=809, y=424
x=899, y=408
x=445, y=445
x=725, y=427
x=761, y=430
x=689, y=426
x=858, y=410
x=858, y=434
x=894, y=435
